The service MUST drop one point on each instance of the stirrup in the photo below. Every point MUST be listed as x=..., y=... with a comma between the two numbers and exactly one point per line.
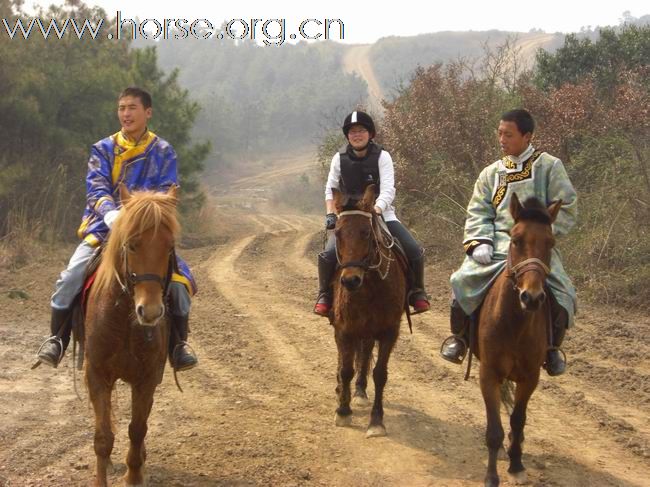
x=416, y=295
x=323, y=299
x=175, y=358
x=56, y=339
x=465, y=349
x=550, y=349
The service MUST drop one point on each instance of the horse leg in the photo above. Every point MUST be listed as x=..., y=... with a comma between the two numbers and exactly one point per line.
x=490, y=388
x=346, y=348
x=363, y=356
x=99, y=391
x=380, y=376
x=523, y=393
x=141, y=403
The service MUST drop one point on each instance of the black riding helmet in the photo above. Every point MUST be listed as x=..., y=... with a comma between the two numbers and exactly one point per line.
x=359, y=118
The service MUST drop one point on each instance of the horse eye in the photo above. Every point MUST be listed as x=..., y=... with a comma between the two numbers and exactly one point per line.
x=516, y=242
x=131, y=247
x=365, y=234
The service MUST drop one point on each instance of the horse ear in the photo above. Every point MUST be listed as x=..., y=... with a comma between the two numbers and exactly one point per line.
x=368, y=200
x=515, y=206
x=124, y=193
x=554, y=208
x=339, y=200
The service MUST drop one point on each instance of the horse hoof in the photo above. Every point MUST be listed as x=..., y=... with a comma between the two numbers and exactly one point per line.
x=375, y=431
x=343, y=420
x=519, y=478
x=360, y=401
x=492, y=482
x=144, y=483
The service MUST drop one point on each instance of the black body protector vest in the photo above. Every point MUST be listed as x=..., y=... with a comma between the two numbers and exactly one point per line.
x=357, y=174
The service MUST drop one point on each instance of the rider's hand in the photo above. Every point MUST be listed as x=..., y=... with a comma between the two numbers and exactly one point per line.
x=110, y=217
x=483, y=254
x=330, y=221
x=378, y=210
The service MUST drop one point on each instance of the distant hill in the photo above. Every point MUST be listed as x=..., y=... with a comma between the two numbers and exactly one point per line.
x=395, y=58
x=267, y=98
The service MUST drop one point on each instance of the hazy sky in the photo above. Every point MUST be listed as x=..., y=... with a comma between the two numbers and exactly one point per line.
x=366, y=21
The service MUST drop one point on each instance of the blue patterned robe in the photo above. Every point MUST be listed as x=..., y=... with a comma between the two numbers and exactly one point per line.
x=149, y=164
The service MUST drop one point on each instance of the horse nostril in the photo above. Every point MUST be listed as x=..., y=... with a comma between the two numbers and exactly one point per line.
x=140, y=310
x=351, y=282
x=525, y=297
x=542, y=297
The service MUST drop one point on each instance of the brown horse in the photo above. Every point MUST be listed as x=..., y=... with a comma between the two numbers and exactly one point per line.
x=369, y=292
x=126, y=328
x=513, y=327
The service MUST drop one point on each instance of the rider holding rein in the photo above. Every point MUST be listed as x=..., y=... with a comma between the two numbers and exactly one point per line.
x=141, y=160
x=359, y=164
x=528, y=172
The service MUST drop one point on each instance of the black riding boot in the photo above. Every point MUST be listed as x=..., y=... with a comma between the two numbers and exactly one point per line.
x=52, y=350
x=181, y=355
x=555, y=361
x=418, y=297
x=454, y=348
x=326, y=270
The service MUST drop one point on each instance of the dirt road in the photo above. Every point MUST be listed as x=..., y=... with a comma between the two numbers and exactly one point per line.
x=259, y=410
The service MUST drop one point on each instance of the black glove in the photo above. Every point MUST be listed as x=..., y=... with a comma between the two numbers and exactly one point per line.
x=330, y=221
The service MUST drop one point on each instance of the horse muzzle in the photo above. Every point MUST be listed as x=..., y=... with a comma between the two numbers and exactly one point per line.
x=353, y=282
x=530, y=300
x=149, y=315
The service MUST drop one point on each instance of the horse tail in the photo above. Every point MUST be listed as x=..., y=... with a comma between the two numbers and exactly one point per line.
x=508, y=395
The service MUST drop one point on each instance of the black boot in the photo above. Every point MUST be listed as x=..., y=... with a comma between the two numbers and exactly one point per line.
x=417, y=296
x=454, y=348
x=555, y=359
x=52, y=350
x=326, y=270
x=181, y=355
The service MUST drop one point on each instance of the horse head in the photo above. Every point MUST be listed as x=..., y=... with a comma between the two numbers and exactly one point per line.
x=531, y=241
x=140, y=254
x=356, y=245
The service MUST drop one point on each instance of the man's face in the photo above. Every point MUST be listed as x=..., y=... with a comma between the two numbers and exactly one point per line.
x=358, y=136
x=133, y=115
x=512, y=141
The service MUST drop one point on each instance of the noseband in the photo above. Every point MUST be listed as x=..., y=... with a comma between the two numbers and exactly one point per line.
x=365, y=263
x=132, y=279
x=533, y=264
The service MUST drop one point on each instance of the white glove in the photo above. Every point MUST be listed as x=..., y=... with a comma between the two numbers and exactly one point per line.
x=483, y=254
x=110, y=217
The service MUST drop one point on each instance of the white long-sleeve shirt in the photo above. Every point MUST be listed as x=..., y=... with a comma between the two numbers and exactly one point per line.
x=386, y=183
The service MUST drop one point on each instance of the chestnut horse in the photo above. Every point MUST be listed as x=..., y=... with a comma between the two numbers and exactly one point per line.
x=126, y=328
x=513, y=327
x=369, y=291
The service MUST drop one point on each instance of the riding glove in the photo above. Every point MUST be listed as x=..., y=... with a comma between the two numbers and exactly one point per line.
x=110, y=217
x=330, y=221
x=483, y=254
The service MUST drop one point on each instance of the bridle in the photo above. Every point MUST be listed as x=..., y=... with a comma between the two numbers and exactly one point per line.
x=379, y=247
x=133, y=279
x=532, y=264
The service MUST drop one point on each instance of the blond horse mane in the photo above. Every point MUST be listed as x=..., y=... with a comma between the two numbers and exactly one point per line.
x=142, y=211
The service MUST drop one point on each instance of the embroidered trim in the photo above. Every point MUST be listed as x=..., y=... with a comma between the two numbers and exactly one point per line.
x=509, y=163
x=505, y=179
x=472, y=244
